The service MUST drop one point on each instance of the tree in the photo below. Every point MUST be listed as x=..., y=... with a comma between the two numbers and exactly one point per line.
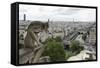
x=84, y=36
x=58, y=39
x=75, y=46
x=55, y=51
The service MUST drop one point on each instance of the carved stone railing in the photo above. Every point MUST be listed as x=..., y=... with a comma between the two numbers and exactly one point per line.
x=31, y=55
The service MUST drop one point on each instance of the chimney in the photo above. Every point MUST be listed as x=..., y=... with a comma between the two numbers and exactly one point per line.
x=24, y=17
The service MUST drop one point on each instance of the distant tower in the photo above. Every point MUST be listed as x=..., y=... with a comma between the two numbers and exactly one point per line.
x=24, y=17
x=48, y=20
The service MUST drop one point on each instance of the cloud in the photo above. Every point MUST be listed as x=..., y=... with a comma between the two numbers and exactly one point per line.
x=35, y=12
x=67, y=11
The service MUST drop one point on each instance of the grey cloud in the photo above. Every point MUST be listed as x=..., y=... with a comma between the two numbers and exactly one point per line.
x=68, y=11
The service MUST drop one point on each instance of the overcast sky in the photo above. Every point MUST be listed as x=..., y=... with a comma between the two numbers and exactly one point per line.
x=43, y=13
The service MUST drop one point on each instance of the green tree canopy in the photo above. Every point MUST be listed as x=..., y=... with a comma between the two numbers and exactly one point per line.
x=75, y=46
x=55, y=50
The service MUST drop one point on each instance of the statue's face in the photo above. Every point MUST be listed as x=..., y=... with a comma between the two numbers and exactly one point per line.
x=36, y=29
x=37, y=26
